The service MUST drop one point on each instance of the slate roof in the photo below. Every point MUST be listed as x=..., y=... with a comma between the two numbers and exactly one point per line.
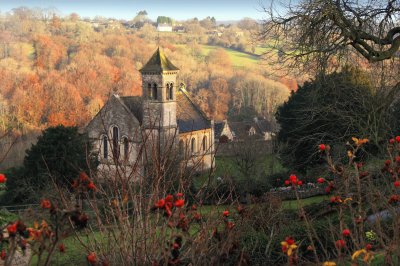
x=189, y=116
x=266, y=125
x=218, y=127
x=159, y=63
x=134, y=104
x=241, y=129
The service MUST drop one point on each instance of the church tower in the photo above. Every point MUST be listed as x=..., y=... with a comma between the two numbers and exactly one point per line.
x=159, y=95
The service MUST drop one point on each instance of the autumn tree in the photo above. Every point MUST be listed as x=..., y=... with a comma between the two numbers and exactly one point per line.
x=215, y=100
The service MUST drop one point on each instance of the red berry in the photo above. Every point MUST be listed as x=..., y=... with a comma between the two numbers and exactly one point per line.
x=397, y=139
x=322, y=147
x=391, y=141
x=299, y=183
x=12, y=229
x=320, y=180
x=340, y=243
x=160, y=204
x=287, y=182
x=83, y=176
x=397, y=183
x=368, y=247
x=179, y=203
x=346, y=232
x=230, y=225
x=45, y=204
x=225, y=213
x=289, y=240
x=91, y=186
x=197, y=216
x=293, y=178
x=3, y=178
x=169, y=198
x=92, y=258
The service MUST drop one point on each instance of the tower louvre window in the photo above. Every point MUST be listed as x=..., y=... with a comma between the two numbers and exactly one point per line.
x=155, y=91
x=168, y=91
x=171, y=91
x=149, y=91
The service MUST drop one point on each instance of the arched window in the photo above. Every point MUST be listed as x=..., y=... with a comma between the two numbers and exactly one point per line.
x=149, y=91
x=204, y=143
x=105, y=147
x=193, y=145
x=126, y=148
x=155, y=91
x=171, y=91
x=115, y=139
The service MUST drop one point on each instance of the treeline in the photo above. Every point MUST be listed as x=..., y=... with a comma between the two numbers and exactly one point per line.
x=57, y=70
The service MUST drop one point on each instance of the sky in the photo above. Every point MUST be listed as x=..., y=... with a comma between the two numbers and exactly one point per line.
x=127, y=9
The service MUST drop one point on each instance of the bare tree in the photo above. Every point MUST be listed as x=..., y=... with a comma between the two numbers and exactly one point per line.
x=319, y=35
x=370, y=27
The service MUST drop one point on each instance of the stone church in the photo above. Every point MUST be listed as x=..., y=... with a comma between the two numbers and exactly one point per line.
x=164, y=113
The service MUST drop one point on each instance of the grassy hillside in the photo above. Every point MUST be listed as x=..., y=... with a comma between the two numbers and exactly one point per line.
x=238, y=58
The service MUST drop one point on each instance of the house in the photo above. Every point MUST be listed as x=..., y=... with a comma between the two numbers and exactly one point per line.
x=258, y=128
x=180, y=29
x=163, y=27
x=244, y=130
x=163, y=117
x=266, y=128
x=223, y=132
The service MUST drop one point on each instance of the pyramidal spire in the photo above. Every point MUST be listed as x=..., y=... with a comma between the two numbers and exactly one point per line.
x=158, y=63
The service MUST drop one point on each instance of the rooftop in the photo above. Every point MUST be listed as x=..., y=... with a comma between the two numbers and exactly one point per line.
x=159, y=63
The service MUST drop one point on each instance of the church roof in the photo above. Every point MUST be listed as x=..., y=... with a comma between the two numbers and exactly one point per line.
x=159, y=63
x=188, y=115
x=134, y=104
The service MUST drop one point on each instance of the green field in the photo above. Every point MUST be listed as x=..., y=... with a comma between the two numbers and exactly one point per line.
x=239, y=59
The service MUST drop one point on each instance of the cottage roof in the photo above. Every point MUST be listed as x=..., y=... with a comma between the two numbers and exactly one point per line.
x=158, y=63
x=218, y=128
x=241, y=129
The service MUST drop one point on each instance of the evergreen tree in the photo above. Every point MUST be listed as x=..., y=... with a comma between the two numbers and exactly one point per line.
x=59, y=155
x=330, y=109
